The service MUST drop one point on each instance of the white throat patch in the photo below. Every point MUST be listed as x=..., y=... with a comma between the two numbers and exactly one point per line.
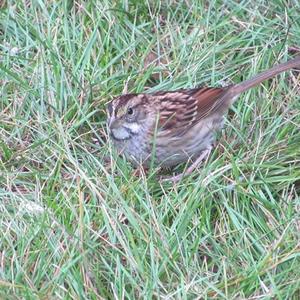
x=126, y=130
x=120, y=133
x=133, y=127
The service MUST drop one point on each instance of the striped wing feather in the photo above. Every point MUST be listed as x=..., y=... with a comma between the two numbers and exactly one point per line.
x=181, y=109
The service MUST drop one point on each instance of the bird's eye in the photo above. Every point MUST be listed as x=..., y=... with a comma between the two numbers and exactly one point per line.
x=130, y=111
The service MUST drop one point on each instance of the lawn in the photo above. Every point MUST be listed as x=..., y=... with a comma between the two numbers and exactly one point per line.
x=75, y=223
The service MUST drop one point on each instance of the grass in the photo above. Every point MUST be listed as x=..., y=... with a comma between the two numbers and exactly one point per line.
x=75, y=223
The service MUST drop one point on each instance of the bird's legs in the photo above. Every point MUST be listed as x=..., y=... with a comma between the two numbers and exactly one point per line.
x=204, y=154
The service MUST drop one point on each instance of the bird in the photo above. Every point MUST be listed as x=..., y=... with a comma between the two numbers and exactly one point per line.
x=167, y=128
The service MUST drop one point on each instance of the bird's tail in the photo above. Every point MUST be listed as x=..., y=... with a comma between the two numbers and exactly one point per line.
x=239, y=88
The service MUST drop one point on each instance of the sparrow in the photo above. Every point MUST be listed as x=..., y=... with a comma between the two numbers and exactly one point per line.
x=168, y=128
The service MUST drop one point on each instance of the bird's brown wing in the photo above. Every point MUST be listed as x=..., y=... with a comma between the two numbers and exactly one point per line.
x=179, y=110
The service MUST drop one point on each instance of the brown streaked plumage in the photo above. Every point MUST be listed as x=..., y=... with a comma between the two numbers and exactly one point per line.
x=175, y=126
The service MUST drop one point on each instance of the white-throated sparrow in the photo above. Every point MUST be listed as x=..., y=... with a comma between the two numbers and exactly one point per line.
x=175, y=126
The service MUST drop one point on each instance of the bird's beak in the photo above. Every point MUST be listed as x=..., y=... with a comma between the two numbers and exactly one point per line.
x=114, y=123
x=110, y=121
x=110, y=113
